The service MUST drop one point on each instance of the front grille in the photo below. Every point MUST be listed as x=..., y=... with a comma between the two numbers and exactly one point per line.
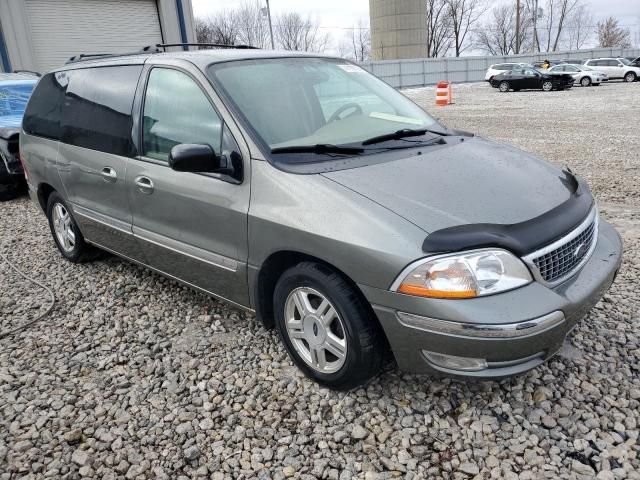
x=560, y=262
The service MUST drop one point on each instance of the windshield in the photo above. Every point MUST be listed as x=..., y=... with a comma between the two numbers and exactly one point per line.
x=625, y=61
x=311, y=101
x=13, y=99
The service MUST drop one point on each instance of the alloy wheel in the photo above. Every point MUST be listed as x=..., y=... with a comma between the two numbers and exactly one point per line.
x=316, y=330
x=63, y=227
x=586, y=81
x=629, y=77
x=547, y=86
x=504, y=87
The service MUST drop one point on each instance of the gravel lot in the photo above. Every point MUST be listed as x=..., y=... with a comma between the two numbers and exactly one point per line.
x=135, y=376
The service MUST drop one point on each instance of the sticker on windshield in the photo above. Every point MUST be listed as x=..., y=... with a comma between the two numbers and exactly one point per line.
x=347, y=67
x=396, y=118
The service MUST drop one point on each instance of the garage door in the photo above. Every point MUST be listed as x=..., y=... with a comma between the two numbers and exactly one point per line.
x=63, y=28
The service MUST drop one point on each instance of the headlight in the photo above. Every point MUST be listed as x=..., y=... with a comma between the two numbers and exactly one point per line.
x=463, y=275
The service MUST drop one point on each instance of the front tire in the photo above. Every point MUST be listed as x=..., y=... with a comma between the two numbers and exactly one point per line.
x=547, y=86
x=327, y=328
x=585, y=82
x=66, y=233
x=504, y=86
x=630, y=77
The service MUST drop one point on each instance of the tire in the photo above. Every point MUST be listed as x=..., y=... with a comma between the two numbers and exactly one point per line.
x=585, y=81
x=504, y=86
x=630, y=77
x=345, y=325
x=547, y=86
x=76, y=250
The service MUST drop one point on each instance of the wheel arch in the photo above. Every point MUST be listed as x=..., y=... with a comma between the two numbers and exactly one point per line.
x=271, y=270
x=44, y=192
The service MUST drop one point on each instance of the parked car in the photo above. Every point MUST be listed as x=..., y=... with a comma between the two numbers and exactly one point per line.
x=15, y=89
x=303, y=188
x=571, y=61
x=615, y=68
x=499, y=68
x=531, y=79
x=581, y=74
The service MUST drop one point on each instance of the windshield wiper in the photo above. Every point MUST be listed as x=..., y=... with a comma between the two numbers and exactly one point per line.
x=400, y=134
x=319, y=148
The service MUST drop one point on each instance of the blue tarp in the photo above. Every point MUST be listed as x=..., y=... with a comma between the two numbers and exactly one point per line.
x=13, y=101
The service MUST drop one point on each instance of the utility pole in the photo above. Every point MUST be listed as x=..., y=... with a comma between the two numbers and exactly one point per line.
x=270, y=26
x=517, y=26
x=536, y=42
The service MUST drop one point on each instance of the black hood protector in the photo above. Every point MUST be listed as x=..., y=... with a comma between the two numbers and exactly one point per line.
x=520, y=238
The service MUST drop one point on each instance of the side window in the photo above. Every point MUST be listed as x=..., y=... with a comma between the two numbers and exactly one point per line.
x=97, y=109
x=613, y=63
x=43, y=114
x=176, y=111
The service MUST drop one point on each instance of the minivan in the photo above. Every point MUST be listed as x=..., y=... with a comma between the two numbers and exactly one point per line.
x=304, y=189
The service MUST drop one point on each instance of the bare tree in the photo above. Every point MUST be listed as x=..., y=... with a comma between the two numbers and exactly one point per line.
x=610, y=34
x=253, y=28
x=498, y=35
x=579, y=27
x=438, y=28
x=356, y=44
x=464, y=15
x=221, y=28
x=293, y=32
x=558, y=14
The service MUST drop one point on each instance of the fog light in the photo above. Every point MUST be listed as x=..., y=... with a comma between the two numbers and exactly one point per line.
x=451, y=362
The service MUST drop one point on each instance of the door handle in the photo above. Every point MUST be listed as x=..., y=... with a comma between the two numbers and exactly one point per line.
x=144, y=184
x=108, y=174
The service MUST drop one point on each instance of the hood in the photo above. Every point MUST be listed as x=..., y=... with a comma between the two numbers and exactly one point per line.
x=8, y=132
x=470, y=181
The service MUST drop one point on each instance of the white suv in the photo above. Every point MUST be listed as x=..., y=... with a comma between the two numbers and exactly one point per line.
x=615, y=68
x=499, y=68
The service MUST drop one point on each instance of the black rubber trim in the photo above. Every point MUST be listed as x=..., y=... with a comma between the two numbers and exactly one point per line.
x=520, y=238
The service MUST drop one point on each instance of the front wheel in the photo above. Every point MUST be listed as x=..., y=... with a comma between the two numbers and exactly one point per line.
x=547, y=86
x=630, y=77
x=327, y=328
x=585, y=82
x=504, y=87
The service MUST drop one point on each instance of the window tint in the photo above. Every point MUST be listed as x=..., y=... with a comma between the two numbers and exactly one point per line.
x=176, y=110
x=613, y=63
x=44, y=111
x=97, y=109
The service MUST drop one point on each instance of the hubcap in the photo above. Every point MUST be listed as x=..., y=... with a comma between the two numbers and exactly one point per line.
x=547, y=86
x=63, y=228
x=315, y=330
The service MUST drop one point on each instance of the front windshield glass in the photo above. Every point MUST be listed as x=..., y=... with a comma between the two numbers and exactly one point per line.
x=13, y=99
x=310, y=101
x=625, y=61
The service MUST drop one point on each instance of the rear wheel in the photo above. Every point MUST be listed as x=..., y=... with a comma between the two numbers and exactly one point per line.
x=547, y=86
x=585, y=82
x=66, y=233
x=326, y=327
x=504, y=86
x=630, y=77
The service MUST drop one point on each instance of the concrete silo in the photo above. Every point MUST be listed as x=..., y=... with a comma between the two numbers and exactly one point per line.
x=398, y=29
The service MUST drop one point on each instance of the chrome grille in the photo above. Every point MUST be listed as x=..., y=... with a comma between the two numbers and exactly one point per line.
x=562, y=258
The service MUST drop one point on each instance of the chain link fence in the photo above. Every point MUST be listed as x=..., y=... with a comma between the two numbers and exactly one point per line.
x=429, y=71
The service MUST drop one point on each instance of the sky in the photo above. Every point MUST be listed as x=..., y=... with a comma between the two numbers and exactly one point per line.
x=336, y=16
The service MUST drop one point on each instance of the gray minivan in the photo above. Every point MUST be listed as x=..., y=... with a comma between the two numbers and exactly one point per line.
x=305, y=189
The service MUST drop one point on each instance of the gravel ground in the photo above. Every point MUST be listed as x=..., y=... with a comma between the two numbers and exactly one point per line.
x=134, y=376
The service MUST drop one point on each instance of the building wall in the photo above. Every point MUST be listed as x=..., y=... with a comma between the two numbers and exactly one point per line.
x=398, y=29
x=17, y=42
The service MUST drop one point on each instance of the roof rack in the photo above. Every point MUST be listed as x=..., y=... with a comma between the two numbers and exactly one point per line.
x=157, y=48
x=164, y=46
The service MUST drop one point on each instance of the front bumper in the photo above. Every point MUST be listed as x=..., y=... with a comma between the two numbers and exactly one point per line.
x=512, y=331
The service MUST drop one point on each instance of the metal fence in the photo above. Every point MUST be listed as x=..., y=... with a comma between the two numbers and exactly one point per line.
x=429, y=71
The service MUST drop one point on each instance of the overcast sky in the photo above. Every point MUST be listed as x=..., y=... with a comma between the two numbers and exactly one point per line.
x=337, y=15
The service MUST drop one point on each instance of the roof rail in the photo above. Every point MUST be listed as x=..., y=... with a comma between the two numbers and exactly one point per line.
x=157, y=48
x=31, y=72
x=164, y=46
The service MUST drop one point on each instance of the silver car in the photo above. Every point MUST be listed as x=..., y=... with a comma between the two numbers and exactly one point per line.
x=306, y=190
x=583, y=75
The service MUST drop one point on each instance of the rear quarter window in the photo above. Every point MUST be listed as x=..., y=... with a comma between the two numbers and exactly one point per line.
x=97, y=109
x=43, y=115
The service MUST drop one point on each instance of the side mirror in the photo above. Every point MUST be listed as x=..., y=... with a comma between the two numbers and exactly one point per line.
x=196, y=158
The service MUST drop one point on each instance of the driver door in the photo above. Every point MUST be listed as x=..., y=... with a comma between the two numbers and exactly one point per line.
x=191, y=226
